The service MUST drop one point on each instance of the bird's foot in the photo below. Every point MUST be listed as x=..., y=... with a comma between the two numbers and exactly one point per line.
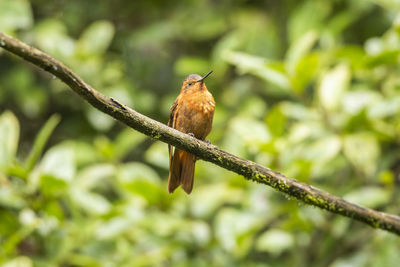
x=191, y=134
x=208, y=142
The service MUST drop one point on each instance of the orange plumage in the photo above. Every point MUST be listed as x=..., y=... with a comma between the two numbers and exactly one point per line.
x=191, y=113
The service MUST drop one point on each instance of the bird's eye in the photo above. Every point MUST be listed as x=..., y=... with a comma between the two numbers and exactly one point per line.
x=189, y=84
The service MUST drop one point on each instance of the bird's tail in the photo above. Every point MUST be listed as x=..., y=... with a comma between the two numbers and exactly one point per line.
x=181, y=171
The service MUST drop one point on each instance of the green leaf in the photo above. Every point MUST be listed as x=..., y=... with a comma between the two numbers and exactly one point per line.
x=96, y=38
x=370, y=196
x=275, y=241
x=19, y=262
x=99, y=120
x=261, y=67
x=385, y=58
x=157, y=154
x=9, y=136
x=245, y=133
x=15, y=14
x=355, y=101
x=92, y=203
x=92, y=175
x=141, y=180
x=186, y=65
x=363, y=151
x=332, y=87
x=306, y=71
x=52, y=186
x=51, y=36
x=233, y=229
x=323, y=149
x=41, y=140
x=114, y=228
x=298, y=50
x=384, y=108
x=276, y=121
x=10, y=197
x=308, y=15
x=126, y=141
x=298, y=112
x=59, y=163
x=206, y=199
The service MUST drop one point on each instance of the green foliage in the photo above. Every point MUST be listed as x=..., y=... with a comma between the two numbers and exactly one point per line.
x=309, y=88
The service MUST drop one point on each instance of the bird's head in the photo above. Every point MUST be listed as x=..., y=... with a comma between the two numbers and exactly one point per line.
x=194, y=82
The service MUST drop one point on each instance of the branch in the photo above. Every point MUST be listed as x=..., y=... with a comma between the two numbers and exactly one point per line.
x=250, y=170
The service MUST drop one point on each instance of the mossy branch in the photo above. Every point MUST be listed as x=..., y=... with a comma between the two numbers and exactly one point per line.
x=250, y=170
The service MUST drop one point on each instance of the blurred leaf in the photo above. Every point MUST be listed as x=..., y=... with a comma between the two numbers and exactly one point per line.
x=206, y=199
x=9, y=197
x=52, y=186
x=84, y=153
x=137, y=171
x=9, y=136
x=332, y=87
x=250, y=131
x=51, y=36
x=141, y=180
x=352, y=55
x=275, y=241
x=96, y=38
x=15, y=14
x=308, y=15
x=387, y=178
x=297, y=111
x=113, y=228
x=41, y=140
x=186, y=65
x=245, y=133
x=276, y=121
x=154, y=35
x=371, y=197
x=363, y=151
x=384, y=58
x=299, y=49
x=126, y=141
x=384, y=108
x=305, y=72
x=202, y=26
x=261, y=67
x=59, y=162
x=354, y=101
x=99, y=120
x=21, y=261
x=233, y=229
x=92, y=203
x=158, y=155
x=93, y=175
x=324, y=149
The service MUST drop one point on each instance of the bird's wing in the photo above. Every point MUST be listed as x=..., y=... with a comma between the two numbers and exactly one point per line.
x=171, y=123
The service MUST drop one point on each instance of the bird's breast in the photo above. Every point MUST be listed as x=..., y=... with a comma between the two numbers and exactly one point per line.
x=196, y=114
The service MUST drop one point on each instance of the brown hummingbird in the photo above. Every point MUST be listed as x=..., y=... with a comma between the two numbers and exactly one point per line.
x=192, y=113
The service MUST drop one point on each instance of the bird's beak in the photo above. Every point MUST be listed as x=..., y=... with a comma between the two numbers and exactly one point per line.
x=205, y=76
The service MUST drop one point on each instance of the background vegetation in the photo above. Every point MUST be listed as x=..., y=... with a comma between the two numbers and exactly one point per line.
x=310, y=88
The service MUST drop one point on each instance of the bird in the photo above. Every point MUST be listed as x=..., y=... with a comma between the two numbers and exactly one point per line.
x=191, y=113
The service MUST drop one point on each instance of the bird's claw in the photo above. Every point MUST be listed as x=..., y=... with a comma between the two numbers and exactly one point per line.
x=191, y=134
x=208, y=142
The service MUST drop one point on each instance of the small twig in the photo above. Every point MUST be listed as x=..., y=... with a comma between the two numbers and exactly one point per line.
x=202, y=150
